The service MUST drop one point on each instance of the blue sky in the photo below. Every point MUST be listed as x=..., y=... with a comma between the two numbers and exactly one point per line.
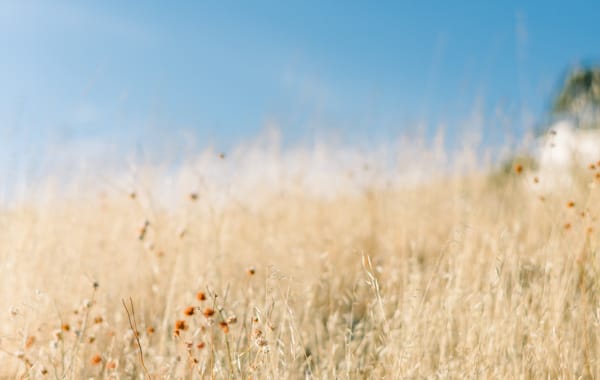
x=218, y=72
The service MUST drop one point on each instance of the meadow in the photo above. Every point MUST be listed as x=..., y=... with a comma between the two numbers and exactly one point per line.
x=450, y=274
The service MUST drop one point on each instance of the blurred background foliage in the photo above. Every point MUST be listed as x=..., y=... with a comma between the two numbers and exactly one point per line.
x=579, y=97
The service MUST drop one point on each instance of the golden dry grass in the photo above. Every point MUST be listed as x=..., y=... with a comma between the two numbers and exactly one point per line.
x=457, y=278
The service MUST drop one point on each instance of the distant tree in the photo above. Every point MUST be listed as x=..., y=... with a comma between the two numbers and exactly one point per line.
x=580, y=97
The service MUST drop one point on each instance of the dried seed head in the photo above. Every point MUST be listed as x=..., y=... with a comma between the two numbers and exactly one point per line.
x=65, y=327
x=536, y=180
x=261, y=342
x=57, y=334
x=571, y=204
x=200, y=345
x=132, y=195
x=567, y=226
x=222, y=156
x=200, y=296
x=259, y=338
x=150, y=330
x=193, y=196
x=232, y=320
x=251, y=271
x=14, y=311
x=189, y=311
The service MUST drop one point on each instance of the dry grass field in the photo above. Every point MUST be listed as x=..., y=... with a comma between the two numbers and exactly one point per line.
x=460, y=276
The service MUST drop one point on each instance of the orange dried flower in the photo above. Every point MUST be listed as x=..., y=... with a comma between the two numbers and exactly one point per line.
x=208, y=312
x=251, y=271
x=150, y=330
x=180, y=325
x=201, y=296
x=571, y=204
x=592, y=167
x=189, y=311
x=200, y=345
x=567, y=226
x=65, y=327
x=96, y=359
x=224, y=326
x=98, y=319
x=29, y=342
x=518, y=168
x=111, y=365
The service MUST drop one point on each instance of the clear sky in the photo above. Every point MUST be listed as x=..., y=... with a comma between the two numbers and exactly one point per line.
x=219, y=71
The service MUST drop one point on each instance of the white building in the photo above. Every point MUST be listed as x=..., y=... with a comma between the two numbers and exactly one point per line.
x=565, y=148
